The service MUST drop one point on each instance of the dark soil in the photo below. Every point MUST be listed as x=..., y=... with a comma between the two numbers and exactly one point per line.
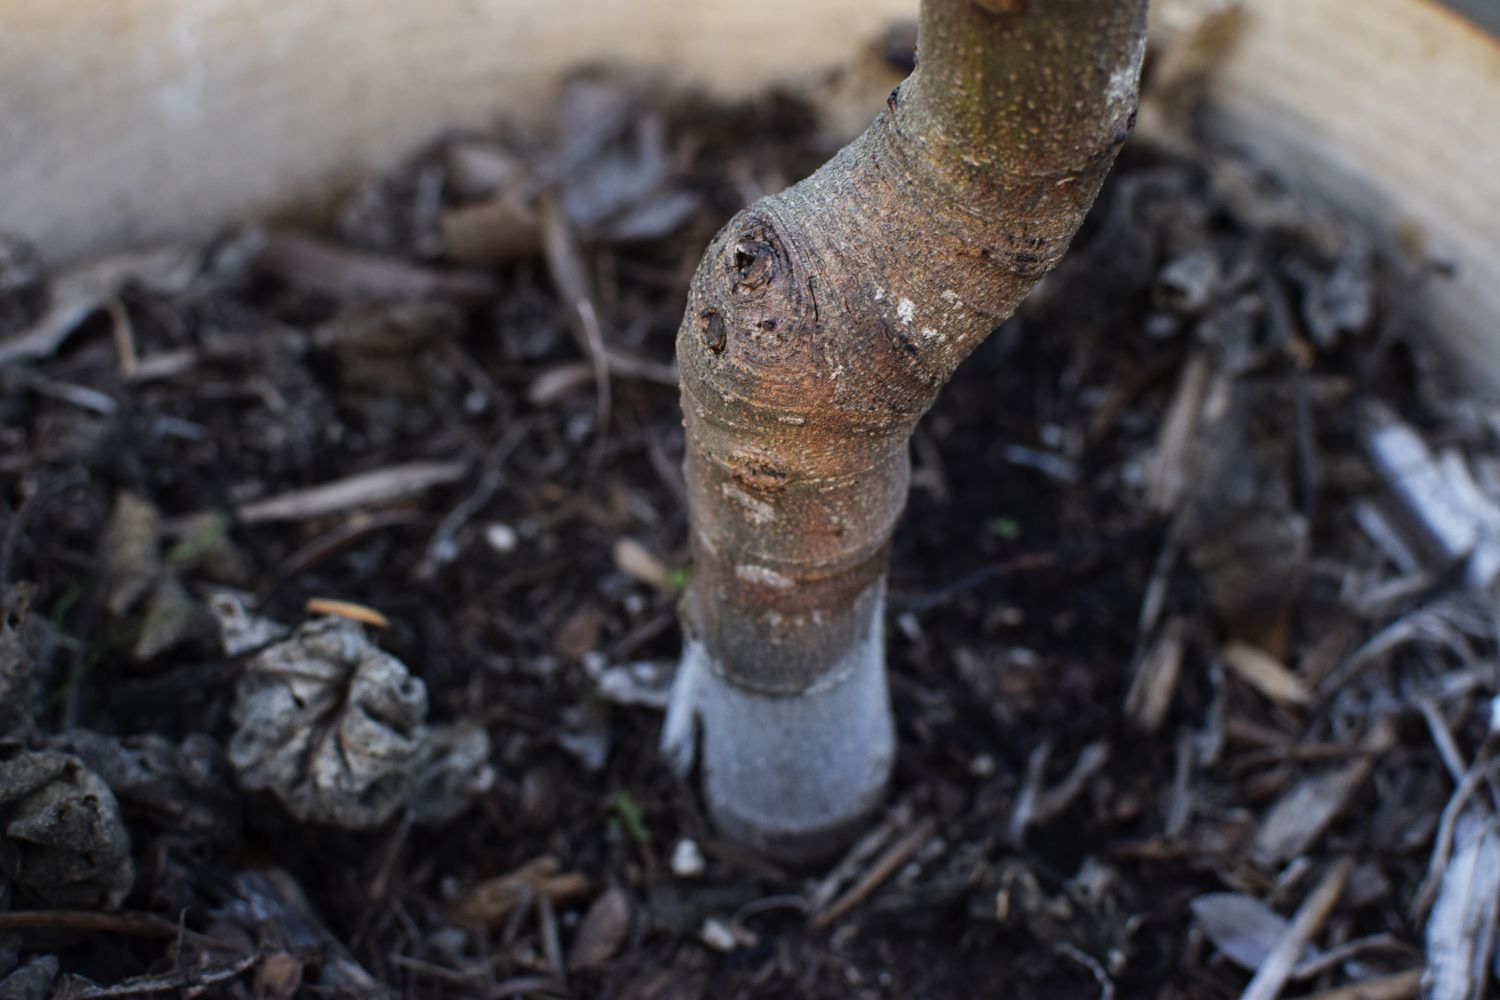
x=1034, y=580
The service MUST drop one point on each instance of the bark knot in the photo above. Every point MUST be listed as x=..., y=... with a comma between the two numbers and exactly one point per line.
x=754, y=265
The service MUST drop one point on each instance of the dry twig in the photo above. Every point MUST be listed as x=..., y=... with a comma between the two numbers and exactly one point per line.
x=1399, y=986
x=365, y=489
x=884, y=867
x=1277, y=969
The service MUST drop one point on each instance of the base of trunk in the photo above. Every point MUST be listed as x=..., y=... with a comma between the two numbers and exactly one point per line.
x=792, y=776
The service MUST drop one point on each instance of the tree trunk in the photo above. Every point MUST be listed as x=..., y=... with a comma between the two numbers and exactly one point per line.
x=820, y=326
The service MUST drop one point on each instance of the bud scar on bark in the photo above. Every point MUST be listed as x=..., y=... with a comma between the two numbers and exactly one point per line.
x=819, y=328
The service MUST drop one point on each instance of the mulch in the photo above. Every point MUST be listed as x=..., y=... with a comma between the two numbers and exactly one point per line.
x=1192, y=631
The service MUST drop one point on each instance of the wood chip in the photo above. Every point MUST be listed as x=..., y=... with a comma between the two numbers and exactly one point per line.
x=164, y=365
x=1266, y=674
x=579, y=632
x=1024, y=807
x=557, y=381
x=497, y=231
x=1386, y=536
x=1440, y=495
x=604, y=929
x=1166, y=477
x=1155, y=679
x=1304, y=812
x=1442, y=842
x=639, y=563
x=547, y=929
x=1461, y=929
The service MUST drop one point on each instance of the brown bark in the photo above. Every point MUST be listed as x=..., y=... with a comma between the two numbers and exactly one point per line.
x=822, y=321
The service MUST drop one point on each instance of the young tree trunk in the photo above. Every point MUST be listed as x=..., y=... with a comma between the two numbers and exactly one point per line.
x=820, y=326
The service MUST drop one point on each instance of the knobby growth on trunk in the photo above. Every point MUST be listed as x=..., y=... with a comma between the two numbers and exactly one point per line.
x=820, y=326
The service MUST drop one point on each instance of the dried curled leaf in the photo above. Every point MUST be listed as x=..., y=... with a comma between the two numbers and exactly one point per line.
x=453, y=771
x=240, y=631
x=330, y=724
x=62, y=842
x=181, y=788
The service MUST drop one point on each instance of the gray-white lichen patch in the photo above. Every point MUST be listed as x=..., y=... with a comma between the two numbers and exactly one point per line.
x=62, y=842
x=330, y=724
